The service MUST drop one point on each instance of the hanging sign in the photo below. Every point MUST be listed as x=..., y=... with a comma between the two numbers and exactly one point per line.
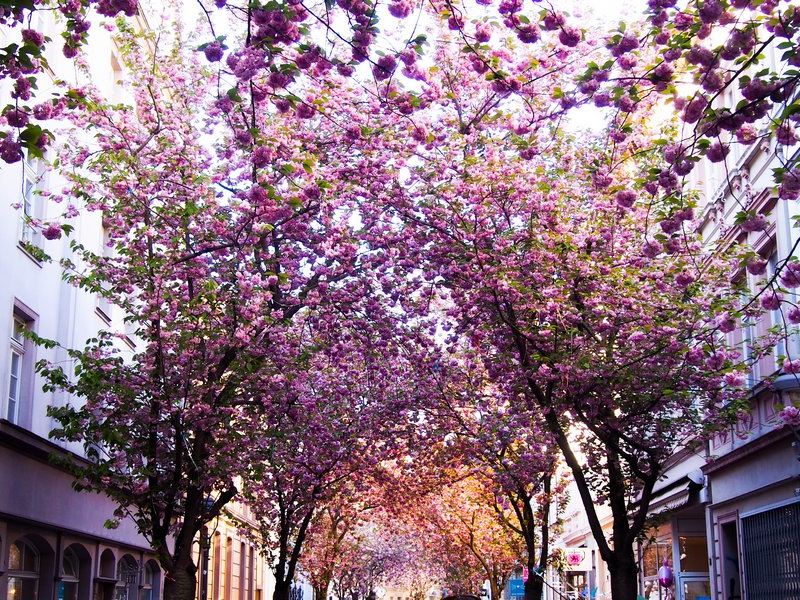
x=578, y=559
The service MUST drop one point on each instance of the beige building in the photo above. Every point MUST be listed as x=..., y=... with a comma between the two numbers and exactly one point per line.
x=229, y=564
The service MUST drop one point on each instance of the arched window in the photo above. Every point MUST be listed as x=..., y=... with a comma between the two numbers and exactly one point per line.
x=242, y=568
x=217, y=566
x=107, y=564
x=228, y=567
x=70, y=575
x=251, y=573
x=127, y=575
x=151, y=582
x=23, y=571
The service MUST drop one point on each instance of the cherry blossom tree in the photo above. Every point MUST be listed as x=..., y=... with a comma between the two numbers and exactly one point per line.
x=235, y=265
x=25, y=59
x=549, y=272
x=488, y=434
x=329, y=534
x=335, y=420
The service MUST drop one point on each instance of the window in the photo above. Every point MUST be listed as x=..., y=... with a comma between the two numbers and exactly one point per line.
x=776, y=315
x=70, y=576
x=30, y=202
x=242, y=568
x=149, y=587
x=771, y=549
x=103, y=305
x=251, y=572
x=693, y=553
x=228, y=567
x=23, y=571
x=653, y=557
x=127, y=571
x=216, y=568
x=15, y=370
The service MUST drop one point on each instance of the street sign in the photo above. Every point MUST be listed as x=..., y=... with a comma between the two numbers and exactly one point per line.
x=525, y=573
x=516, y=588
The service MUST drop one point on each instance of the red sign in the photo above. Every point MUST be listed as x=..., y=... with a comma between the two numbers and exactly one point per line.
x=524, y=573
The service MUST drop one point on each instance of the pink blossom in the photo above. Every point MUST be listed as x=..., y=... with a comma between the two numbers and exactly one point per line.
x=726, y=323
x=213, y=52
x=625, y=198
x=791, y=366
x=791, y=416
x=785, y=134
x=717, y=152
x=757, y=266
x=771, y=300
x=755, y=223
x=684, y=279
x=790, y=277
x=52, y=231
x=570, y=36
x=734, y=379
x=790, y=185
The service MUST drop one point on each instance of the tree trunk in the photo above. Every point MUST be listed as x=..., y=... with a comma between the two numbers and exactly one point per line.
x=624, y=575
x=320, y=592
x=495, y=590
x=534, y=586
x=181, y=582
x=537, y=585
x=282, y=589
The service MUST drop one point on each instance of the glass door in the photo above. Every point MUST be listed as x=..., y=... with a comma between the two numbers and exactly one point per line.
x=695, y=588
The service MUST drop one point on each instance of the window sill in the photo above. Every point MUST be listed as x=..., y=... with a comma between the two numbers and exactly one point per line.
x=32, y=258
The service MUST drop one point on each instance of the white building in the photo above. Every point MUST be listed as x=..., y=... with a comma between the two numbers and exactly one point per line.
x=53, y=543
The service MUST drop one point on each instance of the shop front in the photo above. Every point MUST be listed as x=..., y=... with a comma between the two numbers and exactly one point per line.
x=674, y=559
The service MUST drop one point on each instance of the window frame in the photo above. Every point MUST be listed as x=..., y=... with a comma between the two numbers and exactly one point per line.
x=22, y=574
x=25, y=351
x=16, y=351
x=31, y=202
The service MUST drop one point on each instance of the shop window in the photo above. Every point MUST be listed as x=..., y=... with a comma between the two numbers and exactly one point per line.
x=696, y=589
x=693, y=554
x=23, y=571
x=653, y=556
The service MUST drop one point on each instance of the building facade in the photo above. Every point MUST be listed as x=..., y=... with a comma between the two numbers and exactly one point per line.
x=54, y=544
x=726, y=515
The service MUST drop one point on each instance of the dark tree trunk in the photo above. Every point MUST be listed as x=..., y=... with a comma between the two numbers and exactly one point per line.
x=282, y=589
x=534, y=585
x=180, y=583
x=537, y=586
x=624, y=574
